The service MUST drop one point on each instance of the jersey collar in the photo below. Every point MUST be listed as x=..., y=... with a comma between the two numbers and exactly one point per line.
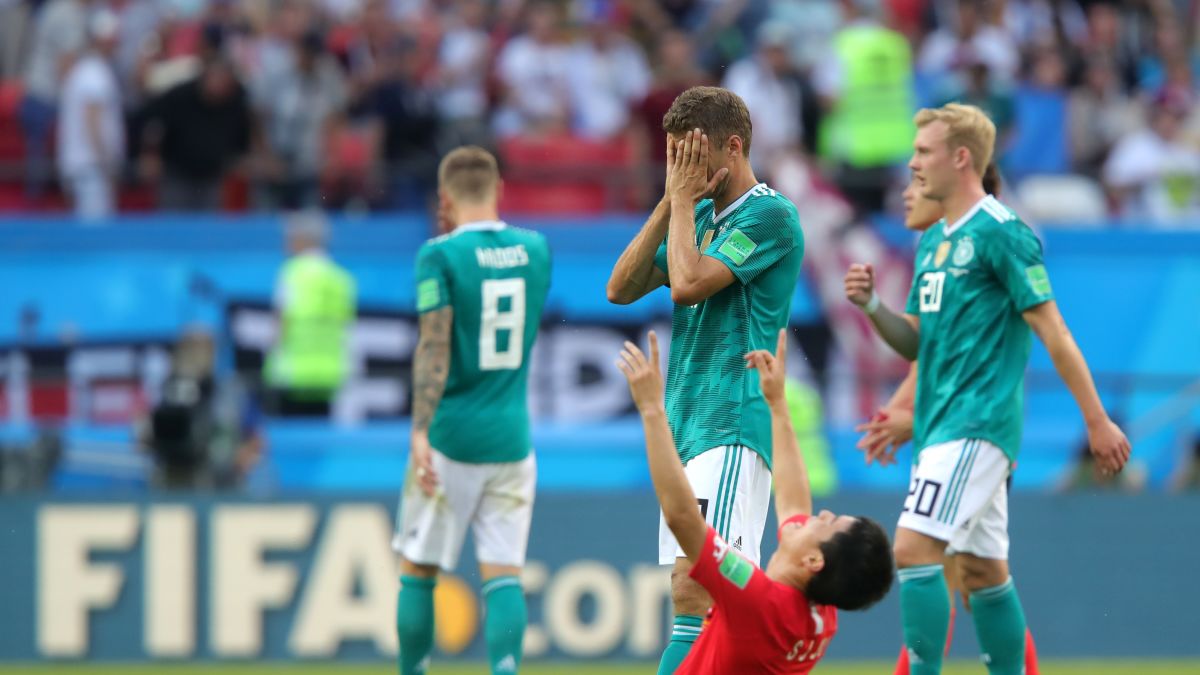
x=950, y=229
x=738, y=202
x=481, y=226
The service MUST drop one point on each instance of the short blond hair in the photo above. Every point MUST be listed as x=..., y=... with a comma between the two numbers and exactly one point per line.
x=968, y=127
x=469, y=174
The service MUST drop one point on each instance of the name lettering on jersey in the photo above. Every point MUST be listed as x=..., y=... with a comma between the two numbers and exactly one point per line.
x=737, y=247
x=502, y=258
x=964, y=252
x=943, y=250
x=957, y=272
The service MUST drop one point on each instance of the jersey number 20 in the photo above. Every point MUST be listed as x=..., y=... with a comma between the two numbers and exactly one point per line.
x=931, y=291
x=511, y=319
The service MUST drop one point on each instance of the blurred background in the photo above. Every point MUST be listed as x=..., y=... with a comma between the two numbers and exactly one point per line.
x=165, y=496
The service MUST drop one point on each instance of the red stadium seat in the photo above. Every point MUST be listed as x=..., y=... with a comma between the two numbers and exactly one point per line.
x=565, y=175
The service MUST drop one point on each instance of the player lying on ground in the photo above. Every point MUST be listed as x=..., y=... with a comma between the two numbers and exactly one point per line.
x=779, y=620
x=481, y=287
x=979, y=288
x=892, y=426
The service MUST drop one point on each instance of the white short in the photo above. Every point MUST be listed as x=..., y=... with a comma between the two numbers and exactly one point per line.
x=494, y=500
x=959, y=495
x=733, y=487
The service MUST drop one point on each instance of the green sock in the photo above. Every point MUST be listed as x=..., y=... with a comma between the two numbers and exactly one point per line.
x=504, y=602
x=683, y=635
x=925, y=610
x=1000, y=625
x=414, y=623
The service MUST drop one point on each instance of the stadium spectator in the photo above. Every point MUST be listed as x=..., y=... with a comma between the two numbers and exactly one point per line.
x=1044, y=21
x=812, y=25
x=314, y=307
x=1099, y=113
x=783, y=106
x=194, y=134
x=91, y=124
x=1107, y=40
x=675, y=71
x=392, y=112
x=866, y=85
x=976, y=86
x=533, y=74
x=59, y=33
x=968, y=37
x=1151, y=174
x=299, y=107
x=608, y=76
x=15, y=17
x=460, y=77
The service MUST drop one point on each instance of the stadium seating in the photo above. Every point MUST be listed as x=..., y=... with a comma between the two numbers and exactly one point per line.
x=566, y=175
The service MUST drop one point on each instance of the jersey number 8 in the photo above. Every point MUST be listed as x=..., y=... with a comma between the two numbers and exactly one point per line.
x=494, y=320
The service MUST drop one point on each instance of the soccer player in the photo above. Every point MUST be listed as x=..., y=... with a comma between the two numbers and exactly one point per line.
x=730, y=248
x=481, y=287
x=779, y=620
x=892, y=426
x=980, y=285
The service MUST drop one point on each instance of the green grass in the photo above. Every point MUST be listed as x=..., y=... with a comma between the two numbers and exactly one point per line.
x=1111, y=667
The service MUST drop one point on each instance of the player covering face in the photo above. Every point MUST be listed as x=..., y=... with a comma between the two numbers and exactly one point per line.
x=781, y=619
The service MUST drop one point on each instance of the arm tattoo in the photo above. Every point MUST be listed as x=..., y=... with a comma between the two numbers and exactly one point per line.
x=431, y=365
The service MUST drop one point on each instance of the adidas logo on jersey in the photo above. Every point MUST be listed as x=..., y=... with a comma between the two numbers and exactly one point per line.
x=738, y=544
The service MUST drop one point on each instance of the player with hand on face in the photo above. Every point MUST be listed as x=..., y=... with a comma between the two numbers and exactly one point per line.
x=892, y=426
x=730, y=248
x=779, y=619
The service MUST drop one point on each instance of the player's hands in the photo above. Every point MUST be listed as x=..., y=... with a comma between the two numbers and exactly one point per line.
x=420, y=463
x=772, y=370
x=884, y=433
x=687, y=168
x=860, y=283
x=645, y=378
x=1109, y=446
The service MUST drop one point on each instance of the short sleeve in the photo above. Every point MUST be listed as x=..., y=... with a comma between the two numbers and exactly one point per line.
x=757, y=241
x=432, y=282
x=660, y=257
x=725, y=574
x=1016, y=259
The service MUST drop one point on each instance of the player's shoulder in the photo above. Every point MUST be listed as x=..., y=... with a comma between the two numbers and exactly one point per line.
x=999, y=222
x=766, y=203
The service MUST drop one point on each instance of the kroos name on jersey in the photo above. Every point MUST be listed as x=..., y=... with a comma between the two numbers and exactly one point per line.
x=502, y=258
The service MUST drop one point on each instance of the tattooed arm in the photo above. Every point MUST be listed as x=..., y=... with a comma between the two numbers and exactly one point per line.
x=431, y=367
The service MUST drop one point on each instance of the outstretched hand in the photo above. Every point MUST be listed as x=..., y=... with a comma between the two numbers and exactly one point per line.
x=772, y=369
x=645, y=378
x=687, y=168
x=884, y=433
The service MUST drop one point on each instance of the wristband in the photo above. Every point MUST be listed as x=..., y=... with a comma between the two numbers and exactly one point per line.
x=872, y=305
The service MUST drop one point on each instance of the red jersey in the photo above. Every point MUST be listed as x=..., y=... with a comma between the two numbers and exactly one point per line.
x=756, y=624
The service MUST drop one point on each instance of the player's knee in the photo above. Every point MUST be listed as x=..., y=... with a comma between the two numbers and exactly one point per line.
x=916, y=550
x=412, y=569
x=687, y=596
x=976, y=573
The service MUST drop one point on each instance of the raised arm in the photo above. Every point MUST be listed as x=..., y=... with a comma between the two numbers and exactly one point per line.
x=695, y=277
x=901, y=332
x=635, y=273
x=671, y=486
x=793, y=494
x=1108, y=442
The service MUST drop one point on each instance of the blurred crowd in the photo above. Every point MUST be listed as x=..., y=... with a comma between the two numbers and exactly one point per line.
x=348, y=104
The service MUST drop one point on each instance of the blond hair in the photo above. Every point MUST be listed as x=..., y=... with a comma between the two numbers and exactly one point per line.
x=469, y=174
x=967, y=127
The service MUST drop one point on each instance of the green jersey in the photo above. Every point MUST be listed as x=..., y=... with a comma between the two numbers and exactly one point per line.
x=495, y=278
x=972, y=281
x=712, y=398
